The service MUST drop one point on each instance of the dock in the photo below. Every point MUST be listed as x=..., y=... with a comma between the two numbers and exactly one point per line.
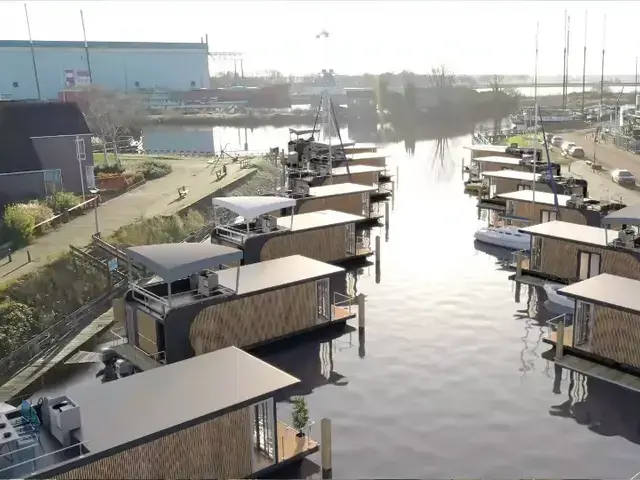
x=530, y=280
x=601, y=372
x=38, y=368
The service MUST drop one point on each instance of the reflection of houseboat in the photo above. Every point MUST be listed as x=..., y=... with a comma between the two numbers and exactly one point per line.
x=568, y=252
x=603, y=334
x=524, y=207
x=327, y=235
x=195, y=309
x=212, y=416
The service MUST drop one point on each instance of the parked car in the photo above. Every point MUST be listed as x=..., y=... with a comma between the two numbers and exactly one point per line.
x=623, y=177
x=557, y=141
x=566, y=146
x=576, y=152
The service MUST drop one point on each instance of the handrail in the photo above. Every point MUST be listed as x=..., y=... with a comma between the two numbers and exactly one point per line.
x=343, y=301
x=145, y=296
x=65, y=325
x=229, y=234
x=34, y=460
x=125, y=339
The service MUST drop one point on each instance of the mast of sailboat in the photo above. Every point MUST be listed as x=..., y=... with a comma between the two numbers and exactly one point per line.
x=535, y=129
x=584, y=61
x=564, y=63
x=33, y=53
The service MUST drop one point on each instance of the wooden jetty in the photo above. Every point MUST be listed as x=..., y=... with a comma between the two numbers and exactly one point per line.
x=39, y=367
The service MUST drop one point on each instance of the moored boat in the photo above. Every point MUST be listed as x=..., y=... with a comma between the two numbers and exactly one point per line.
x=551, y=289
x=505, y=237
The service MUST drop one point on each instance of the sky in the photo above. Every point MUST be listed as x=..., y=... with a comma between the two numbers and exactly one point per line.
x=473, y=37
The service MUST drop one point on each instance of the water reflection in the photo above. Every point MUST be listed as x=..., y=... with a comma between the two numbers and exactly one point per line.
x=600, y=406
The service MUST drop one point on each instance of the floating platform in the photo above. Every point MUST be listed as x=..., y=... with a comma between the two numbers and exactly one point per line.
x=528, y=280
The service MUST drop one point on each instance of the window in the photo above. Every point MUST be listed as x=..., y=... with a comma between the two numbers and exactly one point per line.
x=548, y=216
x=583, y=324
x=136, y=84
x=90, y=176
x=16, y=84
x=193, y=84
x=350, y=239
x=365, y=204
x=536, y=253
x=523, y=186
x=588, y=265
x=322, y=300
x=510, y=207
x=263, y=427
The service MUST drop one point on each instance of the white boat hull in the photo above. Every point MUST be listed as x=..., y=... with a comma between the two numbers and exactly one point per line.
x=505, y=237
x=551, y=289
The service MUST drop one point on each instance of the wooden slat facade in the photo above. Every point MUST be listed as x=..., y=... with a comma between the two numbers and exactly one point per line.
x=560, y=258
x=324, y=244
x=615, y=335
x=220, y=448
x=533, y=211
x=257, y=318
x=343, y=203
x=363, y=178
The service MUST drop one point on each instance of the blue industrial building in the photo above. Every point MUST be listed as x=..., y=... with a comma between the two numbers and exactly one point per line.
x=122, y=66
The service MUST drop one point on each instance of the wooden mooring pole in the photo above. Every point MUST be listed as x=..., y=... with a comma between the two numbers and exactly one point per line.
x=377, y=259
x=387, y=217
x=361, y=318
x=560, y=340
x=325, y=448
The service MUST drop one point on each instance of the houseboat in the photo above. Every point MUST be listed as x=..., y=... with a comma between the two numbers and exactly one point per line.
x=511, y=151
x=601, y=336
x=200, y=303
x=212, y=416
x=494, y=164
x=566, y=252
x=326, y=235
x=504, y=181
x=524, y=207
x=344, y=197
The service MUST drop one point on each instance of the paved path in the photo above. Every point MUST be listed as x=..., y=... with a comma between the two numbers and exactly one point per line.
x=600, y=184
x=153, y=198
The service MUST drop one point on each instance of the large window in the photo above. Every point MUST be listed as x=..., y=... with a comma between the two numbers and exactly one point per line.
x=548, y=216
x=263, y=427
x=582, y=324
x=350, y=239
x=524, y=187
x=322, y=296
x=588, y=265
x=510, y=208
x=365, y=204
x=536, y=253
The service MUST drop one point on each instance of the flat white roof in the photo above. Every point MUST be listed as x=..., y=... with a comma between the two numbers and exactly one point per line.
x=339, y=171
x=544, y=198
x=366, y=156
x=610, y=290
x=252, y=207
x=487, y=148
x=501, y=160
x=573, y=232
x=323, y=218
x=340, y=189
x=513, y=174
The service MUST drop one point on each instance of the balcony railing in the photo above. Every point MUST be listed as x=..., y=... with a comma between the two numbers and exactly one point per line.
x=520, y=259
x=560, y=332
x=140, y=358
x=48, y=459
x=289, y=443
x=229, y=234
x=150, y=300
x=342, y=306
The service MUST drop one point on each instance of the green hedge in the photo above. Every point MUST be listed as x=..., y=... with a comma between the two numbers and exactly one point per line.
x=152, y=169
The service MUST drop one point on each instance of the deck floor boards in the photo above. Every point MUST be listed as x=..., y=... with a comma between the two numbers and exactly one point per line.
x=42, y=365
x=608, y=374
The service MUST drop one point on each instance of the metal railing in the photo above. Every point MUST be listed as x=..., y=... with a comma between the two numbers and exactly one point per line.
x=556, y=325
x=150, y=300
x=343, y=301
x=518, y=257
x=44, y=342
x=81, y=447
x=157, y=357
x=229, y=234
x=363, y=242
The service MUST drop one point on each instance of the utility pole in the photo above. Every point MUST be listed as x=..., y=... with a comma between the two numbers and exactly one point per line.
x=33, y=53
x=635, y=90
x=584, y=62
x=566, y=64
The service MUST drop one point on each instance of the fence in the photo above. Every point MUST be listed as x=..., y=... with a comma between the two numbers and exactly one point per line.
x=66, y=215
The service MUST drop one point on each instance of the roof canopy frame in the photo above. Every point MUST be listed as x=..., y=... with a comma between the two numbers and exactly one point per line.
x=251, y=207
x=176, y=261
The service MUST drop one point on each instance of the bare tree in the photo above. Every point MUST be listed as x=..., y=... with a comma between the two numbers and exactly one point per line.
x=496, y=83
x=440, y=77
x=110, y=115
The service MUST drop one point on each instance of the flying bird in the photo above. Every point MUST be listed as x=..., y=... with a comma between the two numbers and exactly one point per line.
x=323, y=34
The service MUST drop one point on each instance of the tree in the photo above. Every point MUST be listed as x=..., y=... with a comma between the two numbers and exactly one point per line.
x=18, y=322
x=300, y=415
x=440, y=77
x=496, y=83
x=111, y=115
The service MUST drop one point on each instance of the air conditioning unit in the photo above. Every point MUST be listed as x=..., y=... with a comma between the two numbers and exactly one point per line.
x=302, y=188
x=273, y=223
x=577, y=200
x=268, y=223
x=207, y=283
x=292, y=159
x=324, y=169
x=626, y=237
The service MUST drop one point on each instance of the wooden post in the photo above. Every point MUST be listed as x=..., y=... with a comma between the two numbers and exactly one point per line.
x=519, y=263
x=325, y=447
x=28, y=256
x=398, y=175
x=377, y=261
x=393, y=195
x=518, y=288
x=360, y=299
x=386, y=221
x=560, y=340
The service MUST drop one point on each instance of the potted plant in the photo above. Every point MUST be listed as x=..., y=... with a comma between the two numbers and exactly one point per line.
x=300, y=415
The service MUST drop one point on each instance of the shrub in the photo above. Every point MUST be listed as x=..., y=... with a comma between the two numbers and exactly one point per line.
x=38, y=210
x=18, y=226
x=300, y=414
x=109, y=168
x=152, y=169
x=18, y=322
x=61, y=201
x=160, y=229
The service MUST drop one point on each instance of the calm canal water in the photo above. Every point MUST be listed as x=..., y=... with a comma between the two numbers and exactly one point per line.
x=450, y=382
